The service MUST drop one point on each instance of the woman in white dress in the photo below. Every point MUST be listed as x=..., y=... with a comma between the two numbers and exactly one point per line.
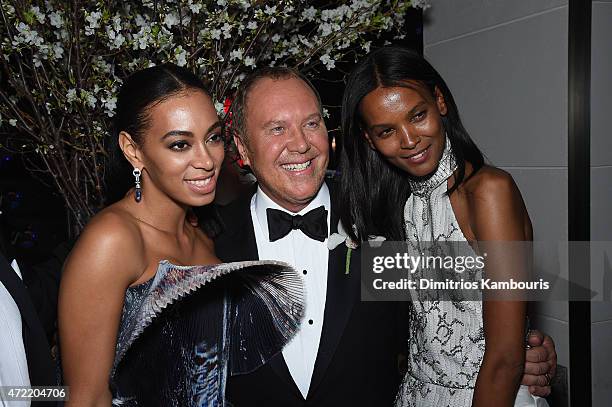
x=410, y=171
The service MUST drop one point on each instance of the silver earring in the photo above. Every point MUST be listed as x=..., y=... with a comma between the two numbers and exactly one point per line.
x=136, y=174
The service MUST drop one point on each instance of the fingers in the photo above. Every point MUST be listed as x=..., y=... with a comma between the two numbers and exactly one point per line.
x=549, y=345
x=533, y=380
x=548, y=342
x=536, y=338
x=540, y=360
x=537, y=354
x=541, y=391
x=537, y=369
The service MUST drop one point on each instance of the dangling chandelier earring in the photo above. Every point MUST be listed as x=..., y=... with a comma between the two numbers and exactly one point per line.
x=136, y=174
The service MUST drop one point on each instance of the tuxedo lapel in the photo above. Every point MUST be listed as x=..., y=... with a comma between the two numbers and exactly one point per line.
x=38, y=355
x=342, y=290
x=278, y=364
x=237, y=243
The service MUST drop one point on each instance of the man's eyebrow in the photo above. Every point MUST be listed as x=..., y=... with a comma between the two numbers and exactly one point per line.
x=273, y=123
x=316, y=115
x=214, y=126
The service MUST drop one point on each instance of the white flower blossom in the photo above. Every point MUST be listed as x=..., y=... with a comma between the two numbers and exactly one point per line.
x=236, y=54
x=142, y=38
x=422, y=4
x=89, y=98
x=93, y=22
x=13, y=122
x=325, y=29
x=27, y=36
x=215, y=34
x=140, y=21
x=276, y=38
x=227, y=28
x=221, y=3
x=328, y=61
x=117, y=23
x=62, y=34
x=110, y=105
x=58, y=50
x=270, y=10
x=366, y=46
x=56, y=20
x=249, y=61
x=195, y=8
x=219, y=107
x=38, y=14
x=116, y=38
x=252, y=25
x=36, y=60
x=325, y=113
x=171, y=20
x=71, y=95
x=245, y=4
x=180, y=55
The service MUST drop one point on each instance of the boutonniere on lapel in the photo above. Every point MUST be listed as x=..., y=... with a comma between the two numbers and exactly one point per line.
x=337, y=238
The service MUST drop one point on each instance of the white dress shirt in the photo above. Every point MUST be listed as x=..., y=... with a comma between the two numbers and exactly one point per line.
x=309, y=257
x=13, y=362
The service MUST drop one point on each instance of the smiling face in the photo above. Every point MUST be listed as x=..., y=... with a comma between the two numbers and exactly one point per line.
x=404, y=125
x=286, y=142
x=181, y=151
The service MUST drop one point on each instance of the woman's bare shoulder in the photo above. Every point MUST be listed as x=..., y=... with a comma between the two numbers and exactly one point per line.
x=490, y=183
x=111, y=239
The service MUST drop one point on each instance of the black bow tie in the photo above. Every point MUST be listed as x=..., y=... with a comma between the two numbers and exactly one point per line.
x=313, y=223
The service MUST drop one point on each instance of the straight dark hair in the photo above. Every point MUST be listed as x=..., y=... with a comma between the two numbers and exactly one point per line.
x=140, y=92
x=374, y=191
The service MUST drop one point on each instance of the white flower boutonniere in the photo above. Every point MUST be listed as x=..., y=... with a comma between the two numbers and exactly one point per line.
x=342, y=236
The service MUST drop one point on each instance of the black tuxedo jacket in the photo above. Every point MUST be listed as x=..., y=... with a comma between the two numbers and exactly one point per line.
x=40, y=365
x=357, y=361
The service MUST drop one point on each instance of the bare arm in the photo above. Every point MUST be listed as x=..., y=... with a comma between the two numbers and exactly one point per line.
x=104, y=262
x=498, y=215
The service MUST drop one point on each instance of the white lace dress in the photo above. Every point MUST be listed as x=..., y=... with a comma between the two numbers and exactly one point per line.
x=446, y=342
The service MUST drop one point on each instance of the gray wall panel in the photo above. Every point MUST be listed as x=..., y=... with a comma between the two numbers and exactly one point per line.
x=510, y=84
x=453, y=18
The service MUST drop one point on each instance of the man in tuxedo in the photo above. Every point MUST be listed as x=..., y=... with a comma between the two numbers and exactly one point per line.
x=25, y=357
x=346, y=352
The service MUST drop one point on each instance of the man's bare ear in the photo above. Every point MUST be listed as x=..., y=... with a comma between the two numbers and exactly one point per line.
x=130, y=149
x=242, y=149
x=440, y=101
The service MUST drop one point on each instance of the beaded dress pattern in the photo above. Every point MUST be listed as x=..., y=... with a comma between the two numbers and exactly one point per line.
x=446, y=343
x=184, y=331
